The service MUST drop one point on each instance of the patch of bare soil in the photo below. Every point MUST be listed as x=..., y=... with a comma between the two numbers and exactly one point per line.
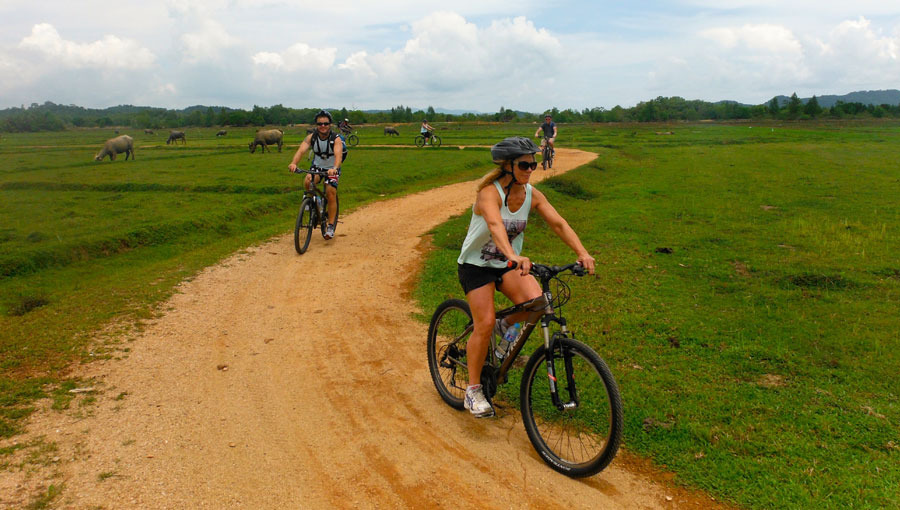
x=283, y=381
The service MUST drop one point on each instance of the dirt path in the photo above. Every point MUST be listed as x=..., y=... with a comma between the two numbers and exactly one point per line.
x=282, y=381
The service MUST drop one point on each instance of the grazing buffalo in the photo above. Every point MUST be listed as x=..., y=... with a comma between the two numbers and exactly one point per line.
x=310, y=131
x=267, y=137
x=115, y=146
x=148, y=131
x=175, y=136
x=388, y=130
x=221, y=132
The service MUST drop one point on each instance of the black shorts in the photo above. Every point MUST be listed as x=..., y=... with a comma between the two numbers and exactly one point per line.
x=472, y=277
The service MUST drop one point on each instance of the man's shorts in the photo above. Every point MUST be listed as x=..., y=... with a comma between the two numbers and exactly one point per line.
x=472, y=277
x=331, y=181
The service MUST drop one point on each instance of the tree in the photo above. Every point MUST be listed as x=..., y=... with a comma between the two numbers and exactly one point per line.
x=794, y=106
x=773, y=106
x=812, y=107
x=430, y=112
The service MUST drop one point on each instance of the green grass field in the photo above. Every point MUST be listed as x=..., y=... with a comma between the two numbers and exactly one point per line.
x=86, y=244
x=757, y=360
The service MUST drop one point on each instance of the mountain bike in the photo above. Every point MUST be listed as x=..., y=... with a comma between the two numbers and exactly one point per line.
x=572, y=410
x=313, y=211
x=351, y=138
x=434, y=140
x=547, y=154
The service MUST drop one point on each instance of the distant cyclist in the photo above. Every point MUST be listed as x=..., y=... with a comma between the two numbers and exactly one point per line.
x=328, y=150
x=549, y=129
x=426, y=130
x=496, y=234
x=345, y=127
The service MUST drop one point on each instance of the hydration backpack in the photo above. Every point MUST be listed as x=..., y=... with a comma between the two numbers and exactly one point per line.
x=329, y=151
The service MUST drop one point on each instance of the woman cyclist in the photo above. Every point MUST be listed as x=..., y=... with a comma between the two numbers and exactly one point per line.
x=495, y=236
x=426, y=130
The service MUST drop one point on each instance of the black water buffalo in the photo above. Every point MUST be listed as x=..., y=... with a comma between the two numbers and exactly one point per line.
x=388, y=130
x=175, y=136
x=221, y=132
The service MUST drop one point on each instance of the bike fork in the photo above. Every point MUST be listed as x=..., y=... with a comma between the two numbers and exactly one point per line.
x=551, y=344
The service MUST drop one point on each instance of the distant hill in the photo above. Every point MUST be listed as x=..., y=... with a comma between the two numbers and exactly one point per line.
x=891, y=97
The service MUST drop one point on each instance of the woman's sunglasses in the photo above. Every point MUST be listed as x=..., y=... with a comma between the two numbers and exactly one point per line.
x=524, y=165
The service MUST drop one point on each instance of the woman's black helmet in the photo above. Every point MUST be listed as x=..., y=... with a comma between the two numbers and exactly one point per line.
x=512, y=148
x=323, y=113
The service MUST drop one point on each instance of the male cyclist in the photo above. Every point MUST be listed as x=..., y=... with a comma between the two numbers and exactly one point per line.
x=549, y=129
x=328, y=150
x=345, y=126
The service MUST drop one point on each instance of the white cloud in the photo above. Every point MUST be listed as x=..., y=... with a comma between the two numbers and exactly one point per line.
x=207, y=44
x=446, y=52
x=110, y=52
x=857, y=38
x=298, y=57
x=770, y=39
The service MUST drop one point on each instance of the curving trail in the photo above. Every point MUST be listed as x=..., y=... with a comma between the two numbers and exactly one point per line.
x=282, y=381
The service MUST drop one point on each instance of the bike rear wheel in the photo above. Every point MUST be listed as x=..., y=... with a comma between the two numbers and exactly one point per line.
x=352, y=140
x=448, y=333
x=420, y=141
x=435, y=141
x=582, y=440
x=306, y=221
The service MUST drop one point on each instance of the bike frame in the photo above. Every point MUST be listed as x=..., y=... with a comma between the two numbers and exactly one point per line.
x=540, y=310
x=546, y=150
x=315, y=191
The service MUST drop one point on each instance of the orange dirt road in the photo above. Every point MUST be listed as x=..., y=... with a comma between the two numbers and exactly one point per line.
x=276, y=381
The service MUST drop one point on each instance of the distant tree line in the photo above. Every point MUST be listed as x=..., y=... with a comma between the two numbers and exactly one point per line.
x=54, y=117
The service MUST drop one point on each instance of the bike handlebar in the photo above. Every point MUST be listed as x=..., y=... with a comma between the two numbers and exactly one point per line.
x=544, y=271
x=310, y=171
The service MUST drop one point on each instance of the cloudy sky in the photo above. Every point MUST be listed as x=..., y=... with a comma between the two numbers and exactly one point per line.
x=469, y=54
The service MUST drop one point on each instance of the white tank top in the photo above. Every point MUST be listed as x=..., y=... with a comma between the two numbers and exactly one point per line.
x=479, y=249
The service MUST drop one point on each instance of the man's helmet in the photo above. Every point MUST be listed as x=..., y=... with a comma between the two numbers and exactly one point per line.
x=323, y=113
x=512, y=148
x=346, y=120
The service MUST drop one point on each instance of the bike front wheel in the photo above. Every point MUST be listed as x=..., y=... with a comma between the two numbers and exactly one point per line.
x=435, y=141
x=306, y=220
x=448, y=333
x=324, y=220
x=545, y=158
x=352, y=140
x=420, y=141
x=582, y=438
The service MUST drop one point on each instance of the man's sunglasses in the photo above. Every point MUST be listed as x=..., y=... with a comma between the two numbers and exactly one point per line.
x=323, y=123
x=524, y=165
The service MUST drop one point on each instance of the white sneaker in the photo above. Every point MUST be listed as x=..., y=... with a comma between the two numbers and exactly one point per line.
x=476, y=403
